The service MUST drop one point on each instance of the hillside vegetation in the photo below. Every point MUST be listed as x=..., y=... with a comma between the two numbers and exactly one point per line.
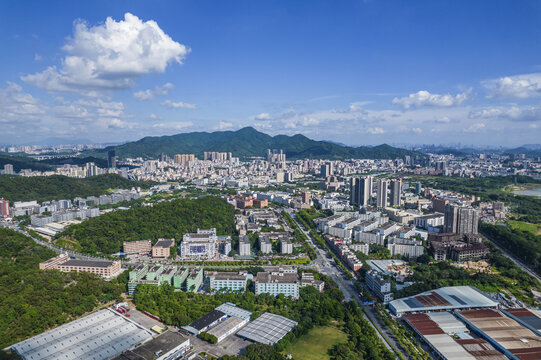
x=172, y=219
x=44, y=188
x=33, y=301
x=249, y=142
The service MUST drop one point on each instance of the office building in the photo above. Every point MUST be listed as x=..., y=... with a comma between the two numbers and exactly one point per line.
x=418, y=188
x=155, y=274
x=450, y=218
x=380, y=286
x=162, y=248
x=111, y=159
x=227, y=281
x=360, y=191
x=405, y=247
x=4, y=208
x=8, y=169
x=183, y=159
x=396, y=190
x=244, y=246
x=63, y=263
x=381, y=195
x=141, y=247
x=276, y=283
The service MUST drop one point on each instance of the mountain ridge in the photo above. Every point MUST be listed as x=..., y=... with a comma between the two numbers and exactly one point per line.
x=248, y=142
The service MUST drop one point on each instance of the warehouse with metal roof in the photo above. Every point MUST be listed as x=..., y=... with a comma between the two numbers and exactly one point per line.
x=446, y=298
x=98, y=336
x=267, y=329
x=504, y=333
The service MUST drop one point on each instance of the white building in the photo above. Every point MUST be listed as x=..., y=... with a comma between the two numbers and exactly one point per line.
x=276, y=283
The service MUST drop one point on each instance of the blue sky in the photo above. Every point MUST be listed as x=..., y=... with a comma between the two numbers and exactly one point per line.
x=357, y=72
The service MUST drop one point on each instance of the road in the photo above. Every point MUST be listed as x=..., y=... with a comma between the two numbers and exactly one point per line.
x=517, y=262
x=322, y=264
x=55, y=248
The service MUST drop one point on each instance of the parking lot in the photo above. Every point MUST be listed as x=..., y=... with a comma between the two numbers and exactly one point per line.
x=143, y=320
x=232, y=345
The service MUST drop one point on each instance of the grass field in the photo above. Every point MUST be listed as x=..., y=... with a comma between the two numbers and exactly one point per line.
x=315, y=344
x=521, y=225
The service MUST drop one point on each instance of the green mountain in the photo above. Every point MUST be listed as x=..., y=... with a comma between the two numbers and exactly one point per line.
x=249, y=142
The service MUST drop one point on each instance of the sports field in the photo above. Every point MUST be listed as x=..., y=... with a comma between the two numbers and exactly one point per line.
x=315, y=344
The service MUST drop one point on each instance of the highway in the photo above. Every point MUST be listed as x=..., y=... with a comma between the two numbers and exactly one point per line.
x=517, y=262
x=327, y=267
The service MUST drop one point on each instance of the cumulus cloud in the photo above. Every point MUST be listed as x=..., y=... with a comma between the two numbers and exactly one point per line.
x=417, y=130
x=375, y=131
x=17, y=106
x=37, y=57
x=425, y=98
x=110, y=56
x=262, y=116
x=225, y=125
x=518, y=86
x=150, y=94
x=177, y=105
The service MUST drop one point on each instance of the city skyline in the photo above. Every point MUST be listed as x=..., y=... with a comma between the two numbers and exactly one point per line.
x=355, y=72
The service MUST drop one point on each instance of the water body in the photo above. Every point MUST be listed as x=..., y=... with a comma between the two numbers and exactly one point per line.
x=529, y=192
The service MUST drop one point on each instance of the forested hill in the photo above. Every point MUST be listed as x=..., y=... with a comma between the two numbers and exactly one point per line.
x=44, y=188
x=249, y=142
x=173, y=219
x=33, y=301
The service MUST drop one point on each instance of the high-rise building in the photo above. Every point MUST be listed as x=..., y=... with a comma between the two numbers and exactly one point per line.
x=91, y=169
x=396, y=190
x=461, y=220
x=468, y=221
x=360, y=190
x=381, y=197
x=8, y=169
x=184, y=159
x=219, y=156
x=4, y=208
x=450, y=218
x=440, y=166
x=111, y=159
x=306, y=197
x=326, y=170
x=418, y=188
x=276, y=156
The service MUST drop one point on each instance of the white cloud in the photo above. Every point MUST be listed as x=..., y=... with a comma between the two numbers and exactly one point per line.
x=110, y=56
x=358, y=105
x=150, y=94
x=474, y=128
x=424, y=98
x=177, y=105
x=417, y=130
x=17, y=106
x=514, y=112
x=262, y=116
x=518, y=86
x=375, y=131
x=172, y=125
x=225, y=125
x=443, y=120
x=37, y=57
